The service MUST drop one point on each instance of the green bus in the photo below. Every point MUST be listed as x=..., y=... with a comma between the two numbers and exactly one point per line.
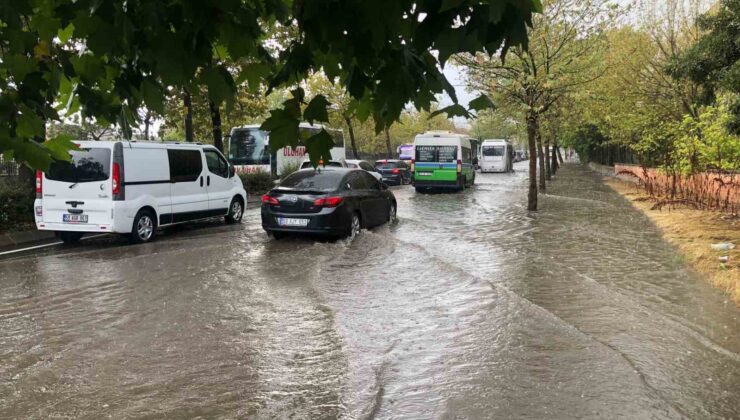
x=443, y=160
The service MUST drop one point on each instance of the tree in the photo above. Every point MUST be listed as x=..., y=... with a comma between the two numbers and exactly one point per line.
x=62, y=53
x=714, y=60
x=562, y=55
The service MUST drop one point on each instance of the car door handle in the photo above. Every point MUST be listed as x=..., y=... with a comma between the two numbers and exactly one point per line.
x=201, y=181
x=208, y=180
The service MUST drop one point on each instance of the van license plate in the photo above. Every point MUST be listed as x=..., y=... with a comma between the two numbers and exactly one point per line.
x=74, y=218
x=425, y=174
x=287, y=221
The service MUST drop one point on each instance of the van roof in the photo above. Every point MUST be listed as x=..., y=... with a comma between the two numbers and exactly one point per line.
x=495, y=141
x=132, y=143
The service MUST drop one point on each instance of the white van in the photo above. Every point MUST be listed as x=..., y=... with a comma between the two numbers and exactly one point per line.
x=496, y=156
x=133, y=188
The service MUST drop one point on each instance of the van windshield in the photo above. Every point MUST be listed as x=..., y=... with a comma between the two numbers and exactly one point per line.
x=493, y=150
x=443, y=154
x=86, y=165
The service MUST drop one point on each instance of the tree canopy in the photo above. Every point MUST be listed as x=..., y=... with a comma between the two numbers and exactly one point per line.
x=107, y=59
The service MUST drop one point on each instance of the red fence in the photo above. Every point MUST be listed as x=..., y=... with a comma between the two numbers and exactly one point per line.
x=706, y=190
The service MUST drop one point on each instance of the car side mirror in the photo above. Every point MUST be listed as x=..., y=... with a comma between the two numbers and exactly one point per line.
x=232, y=171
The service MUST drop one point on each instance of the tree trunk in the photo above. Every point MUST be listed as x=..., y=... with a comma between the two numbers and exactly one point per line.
x=388, y=144
x=218, y=138
x=560, y=156
x=531, y=142
x=554, y=166
x=548, y=166
x=147, y=124
x=188, y=116
x=351, y=130
x=540, y=155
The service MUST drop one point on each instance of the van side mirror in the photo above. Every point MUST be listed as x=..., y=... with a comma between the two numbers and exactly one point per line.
x=232, y=171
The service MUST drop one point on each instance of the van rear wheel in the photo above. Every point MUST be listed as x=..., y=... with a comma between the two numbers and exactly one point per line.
x=69, y=237
x=145, y=227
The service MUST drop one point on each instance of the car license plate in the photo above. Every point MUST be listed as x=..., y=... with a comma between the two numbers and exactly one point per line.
x=425, y=174
x=74, y=218
x=288, y=221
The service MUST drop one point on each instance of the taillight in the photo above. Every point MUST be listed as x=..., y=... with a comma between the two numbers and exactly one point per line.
x=395, y=171
x=413, y=164
x=39, y=183
x=116, y=179
x=269, y=200
x=459, y=166
x=328, y=202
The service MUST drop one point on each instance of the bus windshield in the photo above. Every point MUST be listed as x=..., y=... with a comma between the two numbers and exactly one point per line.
x=249, y=147
x=442, y=154
x=493, y=150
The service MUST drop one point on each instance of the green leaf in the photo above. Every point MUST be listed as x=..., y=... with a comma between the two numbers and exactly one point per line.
x=29, y=125
x=60, y=146
x=482, y=102
x=253, y=74
x=319, y=147
x=220, y=84
x=65, y=34
x=153, y=95
x=449, y=5
x=283, y=129
x=455, y=110
x=316, y=110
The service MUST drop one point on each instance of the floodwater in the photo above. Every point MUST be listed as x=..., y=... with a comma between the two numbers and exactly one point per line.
x=468, y=307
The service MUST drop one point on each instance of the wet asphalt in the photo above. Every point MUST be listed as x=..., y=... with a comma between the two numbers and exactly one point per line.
x=467, y=307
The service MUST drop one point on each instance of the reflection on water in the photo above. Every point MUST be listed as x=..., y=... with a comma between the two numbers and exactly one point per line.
x=470, y=306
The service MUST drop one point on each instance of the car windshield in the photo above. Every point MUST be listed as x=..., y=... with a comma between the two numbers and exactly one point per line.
x=86, y=165
x=308, y=180
x=493, y=150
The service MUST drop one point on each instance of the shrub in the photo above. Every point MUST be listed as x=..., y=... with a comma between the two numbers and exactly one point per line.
x=289, y=168
x=257, y=182
x=16, y=206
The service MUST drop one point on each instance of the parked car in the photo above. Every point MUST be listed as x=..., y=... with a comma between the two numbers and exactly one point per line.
x=336, y=202
x=133, y=188
x=341, y=163
x=394, y=171
x=365, y=166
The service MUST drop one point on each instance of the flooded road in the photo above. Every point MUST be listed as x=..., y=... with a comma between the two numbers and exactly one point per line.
x=468, y=307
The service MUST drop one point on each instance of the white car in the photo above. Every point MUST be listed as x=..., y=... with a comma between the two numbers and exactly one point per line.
x=364, y=165
x=133, y=188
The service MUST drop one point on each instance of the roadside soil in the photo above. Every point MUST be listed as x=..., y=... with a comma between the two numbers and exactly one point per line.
x=693, y=232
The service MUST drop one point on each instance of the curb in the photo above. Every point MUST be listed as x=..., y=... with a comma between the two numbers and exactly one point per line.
x=14, y=239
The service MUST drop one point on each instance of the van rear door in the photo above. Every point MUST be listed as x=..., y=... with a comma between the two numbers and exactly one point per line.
x=78, y=192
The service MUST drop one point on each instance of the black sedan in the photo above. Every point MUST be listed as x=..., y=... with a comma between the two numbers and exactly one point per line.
x=394, y=172
x=334, y=202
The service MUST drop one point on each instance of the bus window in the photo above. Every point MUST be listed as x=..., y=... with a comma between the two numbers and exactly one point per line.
x=249, y=147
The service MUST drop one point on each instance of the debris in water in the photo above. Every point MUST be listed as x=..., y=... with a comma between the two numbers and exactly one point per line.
x=724, y=259
x=723, y=246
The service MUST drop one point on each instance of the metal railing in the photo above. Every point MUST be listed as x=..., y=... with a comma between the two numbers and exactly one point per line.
x=8, y=167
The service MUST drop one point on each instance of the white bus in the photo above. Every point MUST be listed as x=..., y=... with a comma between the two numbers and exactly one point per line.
x=249, y=149
x=496, y=156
